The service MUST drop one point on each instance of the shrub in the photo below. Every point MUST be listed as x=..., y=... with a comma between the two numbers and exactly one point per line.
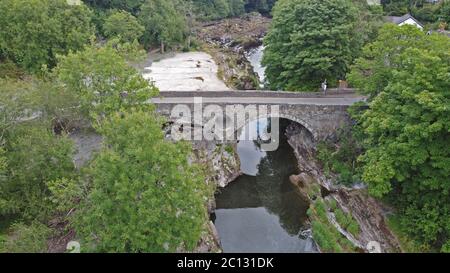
x=27, y=238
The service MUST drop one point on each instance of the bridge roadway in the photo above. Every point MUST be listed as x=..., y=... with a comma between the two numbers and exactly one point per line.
x=339, y=98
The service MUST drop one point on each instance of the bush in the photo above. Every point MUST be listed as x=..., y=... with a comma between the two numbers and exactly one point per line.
x=123, y=25
x=340, y=157
x=27, y=238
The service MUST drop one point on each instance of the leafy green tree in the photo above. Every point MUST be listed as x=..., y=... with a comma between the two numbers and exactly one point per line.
x=123, y=25
x=445, y=12
x=126, y=5
x=395, y=7
x=374, y=70
x=262, y=6
x=33, y=32
x=164, y=24
x=32, y=153
x=146, y=196
x=308, y=43
x=218, y=9
x=103, y=81
x=405, y=131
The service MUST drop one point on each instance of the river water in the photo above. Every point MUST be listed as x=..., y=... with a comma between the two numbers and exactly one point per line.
x=254, y=56
x=262, y=211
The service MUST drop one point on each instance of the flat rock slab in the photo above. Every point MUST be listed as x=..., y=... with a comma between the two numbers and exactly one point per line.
x=191, y=71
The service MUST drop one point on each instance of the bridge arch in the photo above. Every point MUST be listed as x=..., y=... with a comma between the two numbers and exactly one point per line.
x=303, y=122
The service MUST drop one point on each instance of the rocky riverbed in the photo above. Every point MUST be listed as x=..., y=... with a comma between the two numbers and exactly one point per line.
x=229, y=42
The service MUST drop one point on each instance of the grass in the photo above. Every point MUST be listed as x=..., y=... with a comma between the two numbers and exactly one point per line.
x=325, y=234
x=347, y=222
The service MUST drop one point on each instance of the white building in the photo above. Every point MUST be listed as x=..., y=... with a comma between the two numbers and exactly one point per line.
x=406, y=19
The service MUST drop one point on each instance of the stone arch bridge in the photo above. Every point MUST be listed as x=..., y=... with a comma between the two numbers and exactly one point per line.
x=322, y=114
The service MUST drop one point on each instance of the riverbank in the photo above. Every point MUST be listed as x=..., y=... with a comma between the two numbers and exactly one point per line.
x=342, y=219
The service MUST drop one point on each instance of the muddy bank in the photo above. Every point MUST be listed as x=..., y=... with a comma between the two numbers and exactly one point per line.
x=316, y=187
x=228, y=41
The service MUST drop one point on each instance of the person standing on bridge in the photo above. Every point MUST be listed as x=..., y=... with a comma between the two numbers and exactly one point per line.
x=324, y=86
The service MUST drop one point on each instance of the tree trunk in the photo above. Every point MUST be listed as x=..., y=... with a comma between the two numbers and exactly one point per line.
x=162, y=47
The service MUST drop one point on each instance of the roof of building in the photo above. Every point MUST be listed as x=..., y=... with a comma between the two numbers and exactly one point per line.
x=400, y=19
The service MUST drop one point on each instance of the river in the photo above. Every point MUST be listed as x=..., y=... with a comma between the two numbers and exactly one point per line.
x=261, y=211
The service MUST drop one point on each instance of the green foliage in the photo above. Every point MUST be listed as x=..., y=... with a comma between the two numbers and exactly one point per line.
x=126, y=5
x=33, y=32
x=445, y=12
x=34, y=156
x=395, y=7
x=217, y=9
x=64, y=192
x=405, y=130
x=261, y=6
x=32, y=153
x=9, y=69
x=146, y=196
x=123, y=25
x=103, y=81
x=407, y=243
x=164, y=24
x=324, y=236
x=341, y=157
x=347, y=222
x=26, y=238
x=375, y=69
x=426, y=13
x=301, y=44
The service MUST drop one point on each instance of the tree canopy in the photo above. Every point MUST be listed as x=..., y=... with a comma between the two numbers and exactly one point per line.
x=103, y=81
x=303, y=48
x=164, y=24
x=405, y=131
x=146, y=196
x=34, y=32
x=123, y=25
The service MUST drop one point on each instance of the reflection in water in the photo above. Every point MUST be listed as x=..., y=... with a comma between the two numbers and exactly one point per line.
x=261, y=211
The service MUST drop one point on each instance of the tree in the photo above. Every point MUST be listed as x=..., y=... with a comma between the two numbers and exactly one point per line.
x=405, y=131
x=33, y=32
x=146, y=196
x=262, y=6
x=164, y=24
x=218, y=9
x=308, y=43
x=374, y=70
x=103, y=81
x=32, y=153
x=131, y=6
x=445, y=12
x=123, y=25
x=395, y=7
